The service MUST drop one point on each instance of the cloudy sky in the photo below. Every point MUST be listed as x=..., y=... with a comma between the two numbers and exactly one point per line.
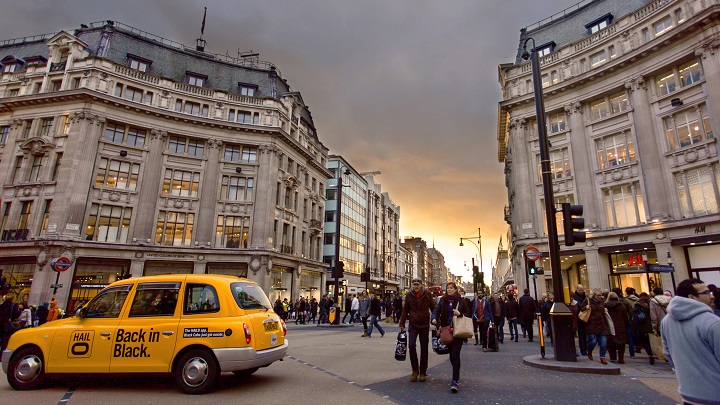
x=406, y=87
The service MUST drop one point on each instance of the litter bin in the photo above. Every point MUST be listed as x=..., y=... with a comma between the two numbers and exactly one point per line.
x=334, y=314
x=563, y=333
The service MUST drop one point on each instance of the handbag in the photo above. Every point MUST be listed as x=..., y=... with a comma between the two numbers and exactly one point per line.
x=401, y=346
x=585, y=314
x=610, y=323
x=656, y=345
x=446, y=334
x=437, y=345
x=462, y=327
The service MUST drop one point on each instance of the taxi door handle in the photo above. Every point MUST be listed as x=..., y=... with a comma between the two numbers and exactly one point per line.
x=168, y=333
x=105, y=334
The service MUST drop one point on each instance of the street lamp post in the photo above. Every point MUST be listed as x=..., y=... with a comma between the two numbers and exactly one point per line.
x=478, y=245
x=561, y=317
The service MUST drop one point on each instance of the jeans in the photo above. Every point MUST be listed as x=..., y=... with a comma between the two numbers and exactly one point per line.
x=374, y=322
x=582, y=338
x=500, y=324
x=455, y=348
x=631, y=340
x=413, y=334
x=512, y=325
x=593, y=340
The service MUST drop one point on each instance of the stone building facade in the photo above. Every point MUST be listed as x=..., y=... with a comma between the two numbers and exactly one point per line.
x=632, y=99
x=130, y=154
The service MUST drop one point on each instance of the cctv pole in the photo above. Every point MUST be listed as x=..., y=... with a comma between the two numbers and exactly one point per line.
x=560, y=313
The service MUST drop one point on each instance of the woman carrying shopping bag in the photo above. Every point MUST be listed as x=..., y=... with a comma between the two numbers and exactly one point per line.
x=449, y=306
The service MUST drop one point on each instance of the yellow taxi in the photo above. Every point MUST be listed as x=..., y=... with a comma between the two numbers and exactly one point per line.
x=194, y=326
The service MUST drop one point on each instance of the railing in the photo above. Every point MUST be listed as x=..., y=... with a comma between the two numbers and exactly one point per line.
x=194, y=89
x=34, y=38
x=246, y=99
x=136, y=74
x=286, y=249
x=315, y=224
x=559, y=15
x=12, y=235
x=599, y=37
x=649, y=9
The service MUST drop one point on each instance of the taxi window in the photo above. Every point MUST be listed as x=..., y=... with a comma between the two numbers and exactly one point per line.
x=108, y=303
x=200, y=299
x=155, y=299
x=249, y=296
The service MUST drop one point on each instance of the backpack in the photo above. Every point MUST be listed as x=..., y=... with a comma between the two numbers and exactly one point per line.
x=639, y=316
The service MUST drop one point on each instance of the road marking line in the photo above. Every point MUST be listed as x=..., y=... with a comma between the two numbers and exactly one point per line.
x=67, y=396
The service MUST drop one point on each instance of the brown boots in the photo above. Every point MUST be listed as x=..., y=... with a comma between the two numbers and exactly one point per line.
x=364, y=333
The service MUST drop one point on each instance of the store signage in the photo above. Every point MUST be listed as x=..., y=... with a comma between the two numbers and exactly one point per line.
x=532, y=253
x=170, y=255
x=56, y=285
x=60, y=264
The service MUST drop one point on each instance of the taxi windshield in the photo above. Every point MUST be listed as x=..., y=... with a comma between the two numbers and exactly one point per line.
x=249, y=296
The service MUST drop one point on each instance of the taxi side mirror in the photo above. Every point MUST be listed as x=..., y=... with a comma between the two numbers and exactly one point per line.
x=83, y=312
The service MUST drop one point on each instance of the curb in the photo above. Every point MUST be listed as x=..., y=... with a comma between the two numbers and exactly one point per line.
x=581, y=366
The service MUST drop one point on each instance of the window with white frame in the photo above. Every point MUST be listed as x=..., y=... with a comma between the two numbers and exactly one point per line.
x=616, y=149
x=108, y=223
x=180, y=145
x=174, y=228
x=598, y=58
x=117, y=174
x=138, y=63
x=545, y=49
x=688, y=127
x=181, y=183
x=192, y=108
x=599, y=23
x=247, y=89
x=195, y=79
x=683, y=75
x=9, y=67
x=556, y=122
x=598, y=109
x=559, y=164
x=624, y=206
x=235, y=188
x=243, y=117
x=618, y=103
x=663, y=25
x=696, y=191
x=232, y=232
x=118, y=133
x=611, y=104
x=240, y=153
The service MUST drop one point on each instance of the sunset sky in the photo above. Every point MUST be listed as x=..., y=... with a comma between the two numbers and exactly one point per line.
x=405, y=87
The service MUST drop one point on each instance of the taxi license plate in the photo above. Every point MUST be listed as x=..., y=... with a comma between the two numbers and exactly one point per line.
x=271, y=327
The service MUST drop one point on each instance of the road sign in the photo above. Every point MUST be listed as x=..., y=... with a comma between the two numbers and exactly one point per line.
x=56, y=285
x=60, y=264
x=532, y=253
x=659, y=268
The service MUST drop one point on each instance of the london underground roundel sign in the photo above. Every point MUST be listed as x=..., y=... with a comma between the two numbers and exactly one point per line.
x=532, y=253
x=60, y=264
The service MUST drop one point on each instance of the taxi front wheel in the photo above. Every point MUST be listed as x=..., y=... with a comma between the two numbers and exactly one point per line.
x=26, y=370
x=196, y=371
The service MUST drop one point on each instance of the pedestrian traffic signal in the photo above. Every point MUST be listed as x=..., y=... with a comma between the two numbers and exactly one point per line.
x=476, y=274
x=572, y=225
x=532, y=267
x=339, y=267
x=365, y=276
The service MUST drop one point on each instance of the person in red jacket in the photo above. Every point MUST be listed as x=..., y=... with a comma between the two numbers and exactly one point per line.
x=417, y=308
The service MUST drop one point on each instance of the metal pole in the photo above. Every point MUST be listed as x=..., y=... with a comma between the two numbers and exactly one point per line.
x=338, y=218
x=564, y=336
x=535, y=287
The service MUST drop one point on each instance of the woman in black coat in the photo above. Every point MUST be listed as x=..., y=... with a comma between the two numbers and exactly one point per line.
x=596, y=330
x=512, y=311
x=452, y=304
x=621, y=320
x=642, y=324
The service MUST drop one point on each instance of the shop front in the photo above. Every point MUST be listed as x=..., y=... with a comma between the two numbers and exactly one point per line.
x=159, y=267
x=17, y=273
x=629, y=269
x=310, y=284
x=703, y=260
x=281, y=283
x=91, y=276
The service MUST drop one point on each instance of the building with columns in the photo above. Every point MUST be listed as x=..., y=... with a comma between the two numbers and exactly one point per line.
x=383, y=240
x=130, y=154
x=632, y=100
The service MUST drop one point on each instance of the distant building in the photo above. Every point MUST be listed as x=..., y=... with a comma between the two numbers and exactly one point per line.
x=382, y=239
x=130, y=154
x=632, y=100
x=421, y=258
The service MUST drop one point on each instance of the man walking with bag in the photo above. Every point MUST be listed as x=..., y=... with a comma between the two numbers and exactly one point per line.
x=417, y=308
x=527, y=312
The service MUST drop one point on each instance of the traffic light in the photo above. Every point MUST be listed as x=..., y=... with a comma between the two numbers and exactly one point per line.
x=339, y=267
x=365, y=276
x=476, y=274
x=573, y=225
x=532, y=267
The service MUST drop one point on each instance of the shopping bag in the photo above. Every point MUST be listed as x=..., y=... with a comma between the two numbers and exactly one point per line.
x=609, y=322
x=462, y=327
x=438, y=346
x=446, y=334
x=401, y=346
x=657, y=346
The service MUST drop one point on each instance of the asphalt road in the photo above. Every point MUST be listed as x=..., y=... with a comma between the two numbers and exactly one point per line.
x=338, y=366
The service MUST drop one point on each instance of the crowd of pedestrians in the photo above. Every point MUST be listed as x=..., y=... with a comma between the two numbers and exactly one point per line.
x=15, y=316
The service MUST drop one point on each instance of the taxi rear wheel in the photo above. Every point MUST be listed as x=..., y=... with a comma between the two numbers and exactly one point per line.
x=246, y=373
x=196, y=371
x=26, y=370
